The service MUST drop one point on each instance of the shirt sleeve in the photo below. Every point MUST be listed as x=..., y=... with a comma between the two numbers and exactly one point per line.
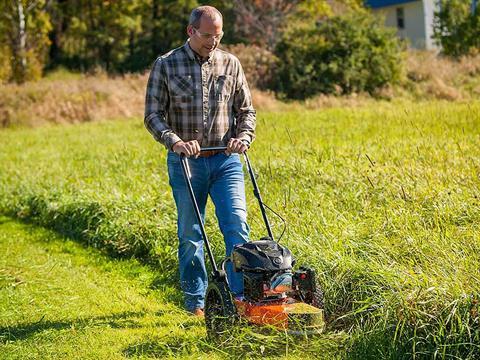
x=156, y=105
x=243, y=110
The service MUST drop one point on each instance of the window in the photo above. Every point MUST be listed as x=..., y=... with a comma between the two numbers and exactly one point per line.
x=400, y=18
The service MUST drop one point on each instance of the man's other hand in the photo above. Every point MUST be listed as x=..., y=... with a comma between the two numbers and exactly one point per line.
x=236, y=146
x=189, y=148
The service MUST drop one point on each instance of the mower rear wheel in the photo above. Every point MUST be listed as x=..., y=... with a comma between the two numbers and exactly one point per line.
x=314, y=298
x=317, y=298
x=220, y=312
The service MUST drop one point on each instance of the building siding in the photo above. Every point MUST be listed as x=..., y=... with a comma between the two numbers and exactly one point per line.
x=430, y=7
x=418, y=18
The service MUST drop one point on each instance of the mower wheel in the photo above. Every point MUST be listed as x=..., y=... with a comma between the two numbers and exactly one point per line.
x=220, y=312
x=317, y=298
x=314, y=298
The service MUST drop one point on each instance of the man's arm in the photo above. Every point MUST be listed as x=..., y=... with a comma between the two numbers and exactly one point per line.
x=156, y=105
x=243, y=109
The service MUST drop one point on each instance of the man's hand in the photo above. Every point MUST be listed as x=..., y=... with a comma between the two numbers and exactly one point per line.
x=236, y=146
x=189, y=148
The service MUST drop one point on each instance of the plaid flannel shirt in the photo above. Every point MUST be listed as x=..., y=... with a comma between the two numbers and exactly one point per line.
x=206, y=101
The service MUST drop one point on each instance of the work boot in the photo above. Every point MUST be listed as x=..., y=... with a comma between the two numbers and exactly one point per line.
x=198, y=312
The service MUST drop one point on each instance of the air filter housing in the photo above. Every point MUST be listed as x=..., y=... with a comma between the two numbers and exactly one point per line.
x=261, y=256
x=261, y=263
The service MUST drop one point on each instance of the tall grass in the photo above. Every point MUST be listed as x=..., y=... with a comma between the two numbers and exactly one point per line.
x=63, y=98
x=433, y=76
x=67, y=99
x=382, y=201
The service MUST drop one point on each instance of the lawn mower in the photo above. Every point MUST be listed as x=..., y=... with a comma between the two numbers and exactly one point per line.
x=274, y=295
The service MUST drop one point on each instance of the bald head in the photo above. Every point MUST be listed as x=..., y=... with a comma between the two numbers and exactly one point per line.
x=206, y=12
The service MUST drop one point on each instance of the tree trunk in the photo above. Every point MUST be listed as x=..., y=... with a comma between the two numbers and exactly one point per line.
x=19, y=50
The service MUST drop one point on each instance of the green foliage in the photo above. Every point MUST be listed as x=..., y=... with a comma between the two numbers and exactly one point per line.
x=166, y=23
x=117, y=36
x=98, y=32
x=5, y=66
x=343, y=54
x=126, y=36
x=258, y=64
x=456, y=28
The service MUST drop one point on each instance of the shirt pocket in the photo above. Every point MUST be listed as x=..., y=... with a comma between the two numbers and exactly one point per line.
x=223, y=87
x=181, y=86
x=181, y=102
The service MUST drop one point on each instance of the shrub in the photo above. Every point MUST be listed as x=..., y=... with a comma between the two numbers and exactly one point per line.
x=456, y=28
x=258, y=64
x=344, y=54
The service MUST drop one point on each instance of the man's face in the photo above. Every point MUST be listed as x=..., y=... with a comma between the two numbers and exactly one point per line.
x=206, y=38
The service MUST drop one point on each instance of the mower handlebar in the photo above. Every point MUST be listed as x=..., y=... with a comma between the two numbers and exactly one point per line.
x=214, y=148
x=211, y=148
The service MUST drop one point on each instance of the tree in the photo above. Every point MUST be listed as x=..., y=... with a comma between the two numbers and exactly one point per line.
x=116, y=35
x=342, y=54
x=457, y=27
x=25, y=25
x=166, y=26
x=262, y=22
x=96, y=33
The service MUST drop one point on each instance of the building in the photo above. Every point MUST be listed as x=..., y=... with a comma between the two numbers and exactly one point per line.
x=413, y=19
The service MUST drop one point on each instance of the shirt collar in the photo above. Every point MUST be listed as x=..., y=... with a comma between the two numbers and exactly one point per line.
x=194, y=56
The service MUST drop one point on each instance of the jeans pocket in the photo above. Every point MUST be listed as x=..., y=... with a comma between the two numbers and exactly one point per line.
x=173, y=161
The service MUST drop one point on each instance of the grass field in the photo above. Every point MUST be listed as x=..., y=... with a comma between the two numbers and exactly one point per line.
x=382, y=200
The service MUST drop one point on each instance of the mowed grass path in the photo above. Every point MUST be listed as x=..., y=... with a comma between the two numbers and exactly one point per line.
x=382, y=200
x=59, y=300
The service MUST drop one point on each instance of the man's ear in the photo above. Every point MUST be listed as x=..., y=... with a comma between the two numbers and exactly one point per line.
x=190, y=30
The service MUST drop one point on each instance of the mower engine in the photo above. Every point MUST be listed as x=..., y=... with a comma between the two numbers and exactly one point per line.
x=267, y=272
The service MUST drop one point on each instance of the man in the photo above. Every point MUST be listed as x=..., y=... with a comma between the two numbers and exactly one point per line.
x=197, y=96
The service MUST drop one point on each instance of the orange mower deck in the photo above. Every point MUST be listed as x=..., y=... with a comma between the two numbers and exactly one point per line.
x=286, y=314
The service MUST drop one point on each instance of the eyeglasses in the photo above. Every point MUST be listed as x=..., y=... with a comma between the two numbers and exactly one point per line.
x=207, y=36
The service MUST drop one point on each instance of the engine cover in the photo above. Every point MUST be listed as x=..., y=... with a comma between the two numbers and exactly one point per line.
x=261, y=256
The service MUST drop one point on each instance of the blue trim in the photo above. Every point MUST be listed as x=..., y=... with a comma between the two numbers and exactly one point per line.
x=375, y=4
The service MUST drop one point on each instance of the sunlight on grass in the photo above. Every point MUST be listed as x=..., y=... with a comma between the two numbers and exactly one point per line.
x=383, y=201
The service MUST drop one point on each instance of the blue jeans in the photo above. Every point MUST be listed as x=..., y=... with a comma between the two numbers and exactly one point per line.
x=221, y=177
